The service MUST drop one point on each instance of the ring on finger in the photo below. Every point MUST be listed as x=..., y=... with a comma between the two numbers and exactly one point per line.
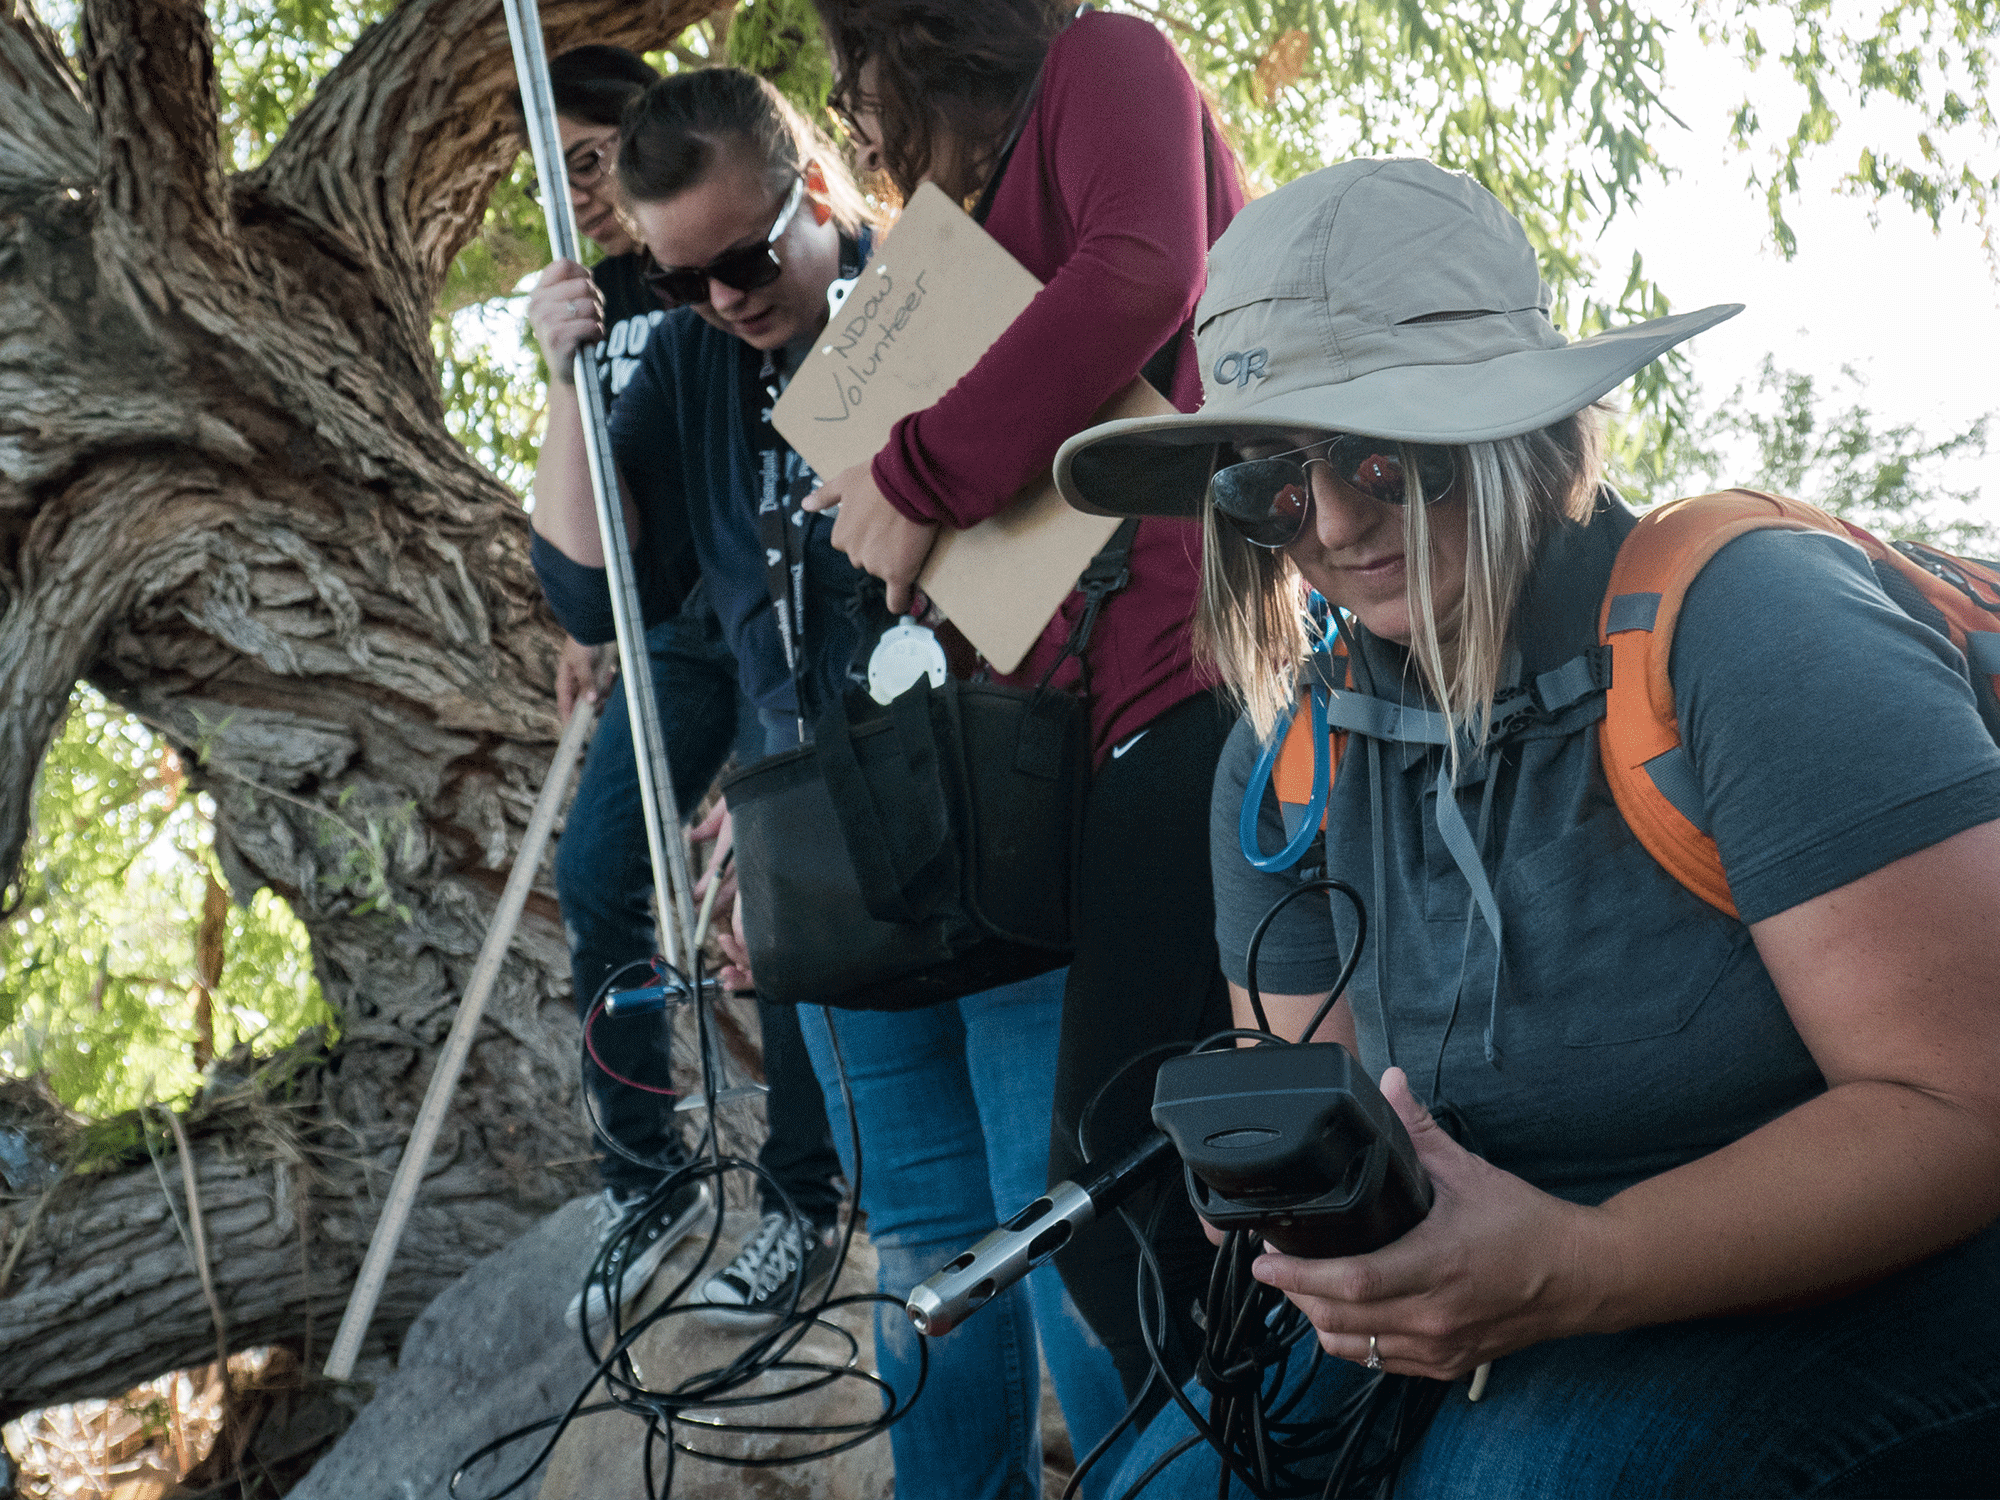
x=1374, y=1359
x=569, y=307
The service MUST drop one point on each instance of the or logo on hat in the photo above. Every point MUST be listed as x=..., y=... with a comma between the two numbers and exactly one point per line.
x=1241, y=366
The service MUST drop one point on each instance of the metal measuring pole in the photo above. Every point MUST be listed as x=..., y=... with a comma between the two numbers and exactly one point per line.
x=672, y=888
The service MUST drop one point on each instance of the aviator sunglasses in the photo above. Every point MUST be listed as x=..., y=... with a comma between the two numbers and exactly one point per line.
x=1268, y=499
x=747, y=268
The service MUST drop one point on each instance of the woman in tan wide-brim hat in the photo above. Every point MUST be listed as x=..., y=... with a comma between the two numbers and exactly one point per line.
x=1713, y=1186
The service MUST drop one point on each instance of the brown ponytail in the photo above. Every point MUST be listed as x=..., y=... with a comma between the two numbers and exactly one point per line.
x=677, y=130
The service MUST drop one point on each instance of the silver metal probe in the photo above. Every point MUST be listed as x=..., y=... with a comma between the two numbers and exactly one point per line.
x=971, y=1280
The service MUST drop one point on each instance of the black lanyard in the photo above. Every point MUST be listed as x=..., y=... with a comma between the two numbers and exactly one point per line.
x=781, y=523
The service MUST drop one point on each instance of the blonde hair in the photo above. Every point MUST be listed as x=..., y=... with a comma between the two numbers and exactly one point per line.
x=1251, y=625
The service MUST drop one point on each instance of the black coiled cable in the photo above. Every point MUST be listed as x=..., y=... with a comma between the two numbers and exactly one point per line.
x=699, y=1401
x=1252, y=1335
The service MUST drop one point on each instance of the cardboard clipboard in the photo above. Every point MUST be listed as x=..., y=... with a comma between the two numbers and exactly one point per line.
x=938, y=293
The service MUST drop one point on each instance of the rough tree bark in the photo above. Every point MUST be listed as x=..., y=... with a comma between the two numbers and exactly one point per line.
x=229, y=499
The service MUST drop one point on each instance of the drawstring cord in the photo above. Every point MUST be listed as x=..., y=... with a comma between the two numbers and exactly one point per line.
x=1492, y=769
x=1360, y=710
x=1466, y=852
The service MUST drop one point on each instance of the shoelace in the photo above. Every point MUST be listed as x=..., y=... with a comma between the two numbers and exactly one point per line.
x=767, y=1261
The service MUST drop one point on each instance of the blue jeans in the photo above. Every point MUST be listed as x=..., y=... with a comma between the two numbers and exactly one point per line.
x=1893, y=1391
x=953, y=1108
x=604, y=873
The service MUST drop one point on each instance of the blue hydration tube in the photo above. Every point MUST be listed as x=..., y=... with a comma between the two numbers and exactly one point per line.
x=1260, y=777
x=1253, y=795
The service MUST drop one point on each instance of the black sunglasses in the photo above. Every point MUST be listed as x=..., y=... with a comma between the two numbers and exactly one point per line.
x=1268, y=499
x=746, y=269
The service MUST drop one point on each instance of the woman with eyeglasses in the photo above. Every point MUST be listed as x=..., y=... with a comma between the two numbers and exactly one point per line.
x=1081, y=143
x=747, y=215
x=1714, y=1174
x=603, y=871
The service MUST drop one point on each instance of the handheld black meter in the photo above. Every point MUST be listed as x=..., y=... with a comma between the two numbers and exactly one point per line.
x=1293, y=1143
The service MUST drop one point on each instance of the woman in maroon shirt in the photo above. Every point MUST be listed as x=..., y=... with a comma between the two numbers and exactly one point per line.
x=1101, y=170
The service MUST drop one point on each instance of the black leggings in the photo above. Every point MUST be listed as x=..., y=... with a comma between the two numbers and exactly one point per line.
x=1145, y=973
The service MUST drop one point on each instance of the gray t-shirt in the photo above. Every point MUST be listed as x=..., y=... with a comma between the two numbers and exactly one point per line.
x=1633, y=1027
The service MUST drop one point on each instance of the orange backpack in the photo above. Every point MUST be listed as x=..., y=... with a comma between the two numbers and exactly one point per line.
x=1651, y=779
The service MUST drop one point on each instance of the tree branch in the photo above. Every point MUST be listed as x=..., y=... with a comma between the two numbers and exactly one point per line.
x=45, y=132
x=78, y=587
x=150, y=66
x=401, y=146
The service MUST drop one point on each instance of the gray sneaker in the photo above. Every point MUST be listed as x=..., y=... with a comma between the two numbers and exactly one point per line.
x=638, y=1254
x=755, y=1288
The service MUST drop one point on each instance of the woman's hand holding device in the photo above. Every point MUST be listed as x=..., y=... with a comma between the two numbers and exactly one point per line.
x=1495, y=1266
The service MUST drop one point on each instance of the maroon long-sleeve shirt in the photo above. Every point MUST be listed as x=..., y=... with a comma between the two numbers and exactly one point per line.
x=1116, y=189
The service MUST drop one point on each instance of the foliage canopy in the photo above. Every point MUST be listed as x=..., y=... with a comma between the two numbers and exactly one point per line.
x=1553, y=104
x=123, y=965
x=1814, y=437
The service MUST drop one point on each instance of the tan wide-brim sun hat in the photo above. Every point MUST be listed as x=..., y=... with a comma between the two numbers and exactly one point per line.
x=1387, y=297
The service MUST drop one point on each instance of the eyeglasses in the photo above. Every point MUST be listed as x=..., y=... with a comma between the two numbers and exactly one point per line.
x=850, y=109
x=746, y=268
x=1269, y=499
x=583, y=165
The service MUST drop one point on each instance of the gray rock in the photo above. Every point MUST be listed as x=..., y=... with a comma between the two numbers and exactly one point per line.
x=23, y=1168
x=492, y=1353
x=601, y=1458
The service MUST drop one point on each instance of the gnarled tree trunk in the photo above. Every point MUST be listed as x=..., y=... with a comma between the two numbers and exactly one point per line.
x=229, y=499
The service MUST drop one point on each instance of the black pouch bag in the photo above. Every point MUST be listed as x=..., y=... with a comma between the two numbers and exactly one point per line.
x=933, y=851
x=928, y=851
x=916, y=855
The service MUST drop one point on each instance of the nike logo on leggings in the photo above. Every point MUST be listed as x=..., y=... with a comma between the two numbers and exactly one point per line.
x=1118, y=750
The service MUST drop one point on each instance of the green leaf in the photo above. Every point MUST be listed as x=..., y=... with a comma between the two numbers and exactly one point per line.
x=1816, y=440
x=97, y=959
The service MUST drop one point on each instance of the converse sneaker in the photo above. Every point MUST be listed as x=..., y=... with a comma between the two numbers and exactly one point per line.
x=642, y=1248
x=755, y=1288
